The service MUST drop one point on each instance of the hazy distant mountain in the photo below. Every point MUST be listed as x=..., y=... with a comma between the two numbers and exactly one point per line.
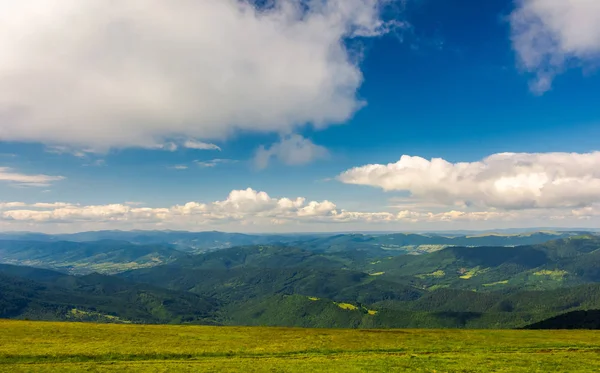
x=184, y=241
x=105, y=256
x=196, y=242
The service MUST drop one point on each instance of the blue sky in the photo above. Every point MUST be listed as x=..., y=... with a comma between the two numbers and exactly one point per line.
x=105, y=134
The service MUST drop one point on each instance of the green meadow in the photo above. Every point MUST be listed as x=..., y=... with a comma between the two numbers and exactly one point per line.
x=73, y=347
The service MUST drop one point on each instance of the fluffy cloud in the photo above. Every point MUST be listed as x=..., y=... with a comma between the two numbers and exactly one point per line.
x=243, y=208
x=549, y=35
x=504, y=180
x=239, y=205
x=290, y=150
x=588, y=212
x=7, y=205
x=9, y=175
x=97, y=74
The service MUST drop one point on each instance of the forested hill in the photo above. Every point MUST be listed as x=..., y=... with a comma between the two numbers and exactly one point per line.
x=570, y=320
x=363, y=286
x=38, y=294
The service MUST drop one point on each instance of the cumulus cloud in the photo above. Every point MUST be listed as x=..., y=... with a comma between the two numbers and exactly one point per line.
x=290, y=150
x=9, y=175
x=8, y=205
x=551, y=35
x=249, y=207
x=588, y=212
x=504, y=180
x=239, y=205
x=98, y=74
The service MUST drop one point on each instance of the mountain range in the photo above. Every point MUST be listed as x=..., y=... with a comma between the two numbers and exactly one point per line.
x=347, y=280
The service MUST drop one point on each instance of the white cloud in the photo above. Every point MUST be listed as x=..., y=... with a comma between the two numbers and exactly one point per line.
x=113, y=212
x=7, y=174
x=313, y=208
x=8, y=205
x=214, y=162
x=551, y=35
x=167, y=146
x=195, y=144
x=98, y=74
x=290, y=150
x=504, y=180
x=249, y=208
x=240, y=205
x=587, y=212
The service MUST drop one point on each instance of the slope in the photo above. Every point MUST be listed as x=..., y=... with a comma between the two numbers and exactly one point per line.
x=570, y=320
x=86, y=257
x=46, y=295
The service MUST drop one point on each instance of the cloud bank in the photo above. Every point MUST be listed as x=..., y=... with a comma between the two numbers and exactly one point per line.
x=97, y=74
x=552, y=35
x=251, y=208
x=510, y=181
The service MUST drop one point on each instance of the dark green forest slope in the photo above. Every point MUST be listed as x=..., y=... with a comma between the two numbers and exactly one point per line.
x=362, y=286
x=38, y=294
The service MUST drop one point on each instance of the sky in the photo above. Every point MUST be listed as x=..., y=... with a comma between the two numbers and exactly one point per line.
x=299, y=115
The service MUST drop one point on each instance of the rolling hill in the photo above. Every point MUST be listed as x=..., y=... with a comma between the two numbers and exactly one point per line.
x=37, y=294
x=86, y=257
x=570, y=320
x=199, y=242
x=565, y=262
x=258, y=283
x=288, y=285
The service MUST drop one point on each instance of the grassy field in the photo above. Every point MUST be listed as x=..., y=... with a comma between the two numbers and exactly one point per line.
x=74, y=347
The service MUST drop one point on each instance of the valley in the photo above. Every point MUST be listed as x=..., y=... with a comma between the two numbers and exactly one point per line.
x=339, y=281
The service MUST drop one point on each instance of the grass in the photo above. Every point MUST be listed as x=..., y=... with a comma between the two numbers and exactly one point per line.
x=74, y=347
x=437, y=274
x=346, y=306
x=469, y=273
x=438, y=286
x=504, y=282
x=556, y=274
